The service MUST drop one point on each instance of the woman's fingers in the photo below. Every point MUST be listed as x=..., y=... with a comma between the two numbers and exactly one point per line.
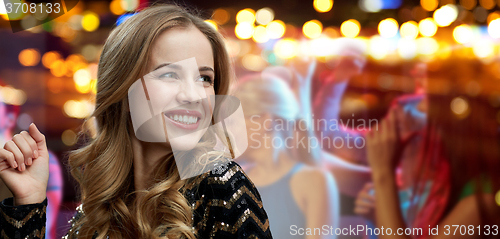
x=8, y=157
x=24, y=147
x=31, y=143
x=19, y=157
x=38, y=137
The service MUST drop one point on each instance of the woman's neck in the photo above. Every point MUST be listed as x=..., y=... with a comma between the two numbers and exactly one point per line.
x=147, y=157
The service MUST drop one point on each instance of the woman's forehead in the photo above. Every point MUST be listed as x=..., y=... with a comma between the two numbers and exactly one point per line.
x=181, y=43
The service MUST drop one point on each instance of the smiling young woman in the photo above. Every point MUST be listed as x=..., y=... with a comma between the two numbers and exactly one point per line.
x=131, y=187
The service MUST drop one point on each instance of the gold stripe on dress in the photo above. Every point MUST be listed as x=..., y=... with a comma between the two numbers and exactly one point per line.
x=20, y=223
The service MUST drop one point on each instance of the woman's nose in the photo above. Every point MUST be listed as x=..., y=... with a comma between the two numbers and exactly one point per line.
x=188, y=93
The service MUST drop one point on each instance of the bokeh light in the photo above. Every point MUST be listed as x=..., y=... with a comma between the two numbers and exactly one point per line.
x=427, y=27
x=264, y=15
x=260, y=34
x=244, y=30
x=446, y=15
x=388, y=28
x=90, y=21
x=378, y=47
x=494, y=28
x=460, y=107
x=488, y=4
x=68, y=137
x=286, y=48
x=253, y=62
x=323, y=5
x=129, y=5
x=371, y=5
x=427, y=45
x=116, y=7
x=407, y=48
x=246, y=15
x=350, y=28
x=462, y=34
x=331, y=32
x=82, y=80
x=12, y=96
x=58, y=68
x=78, y=109
x=276, y=29
x=468, y=4
x=312, y=29
x=429, y=5
x=483, y=48
x=409, y=30
x=29, y=57
x=221, y=16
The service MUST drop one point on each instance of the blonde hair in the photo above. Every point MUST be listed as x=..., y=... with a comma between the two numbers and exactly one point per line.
x=104, y=166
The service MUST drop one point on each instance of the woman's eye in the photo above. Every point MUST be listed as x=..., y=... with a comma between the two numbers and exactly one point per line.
x=172, y=75
x=206, y=80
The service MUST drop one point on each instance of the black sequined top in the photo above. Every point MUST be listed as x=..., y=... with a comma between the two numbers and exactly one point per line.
x=225, y=204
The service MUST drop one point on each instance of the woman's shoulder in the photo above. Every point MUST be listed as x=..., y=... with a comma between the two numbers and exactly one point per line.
x=227, y=204
x=223, y=180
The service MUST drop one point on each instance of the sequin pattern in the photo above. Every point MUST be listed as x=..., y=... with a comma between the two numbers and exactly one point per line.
x=224, y=201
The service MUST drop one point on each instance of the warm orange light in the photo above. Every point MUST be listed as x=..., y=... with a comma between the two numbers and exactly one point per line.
x=488, y=4
x=494, y=28
x=221, y=16
x=244, y=30
x=492, y=16
x=49, y=58
x=388, y=28
x=29, y=57
x=260, y=34
x=245, y=15
x=116, y=7
x=427, y=27
x=429, y=5
x=462, y=34
x=468, y=4
x=323, y=5
x=286, y=48
x=312, y=29
x=350, y=28
x=276, y=29
x=264, y=16
x=409, y=30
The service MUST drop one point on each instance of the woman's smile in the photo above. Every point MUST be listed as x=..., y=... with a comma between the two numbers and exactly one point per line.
x=184, y=119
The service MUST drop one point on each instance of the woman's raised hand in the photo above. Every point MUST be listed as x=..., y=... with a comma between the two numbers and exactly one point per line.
x=24, y=166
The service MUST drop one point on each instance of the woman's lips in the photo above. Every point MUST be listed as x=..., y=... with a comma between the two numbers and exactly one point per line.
x=184, y=119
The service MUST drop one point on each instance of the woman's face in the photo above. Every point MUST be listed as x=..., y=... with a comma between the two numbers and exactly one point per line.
x=177, y=90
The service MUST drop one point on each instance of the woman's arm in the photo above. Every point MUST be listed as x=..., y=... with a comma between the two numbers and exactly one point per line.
x=318, y=198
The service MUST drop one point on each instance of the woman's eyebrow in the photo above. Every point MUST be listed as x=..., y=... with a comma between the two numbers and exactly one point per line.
x=171, y=65
x=206, y=68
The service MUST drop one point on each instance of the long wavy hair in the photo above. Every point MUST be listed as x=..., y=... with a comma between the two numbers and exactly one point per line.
x=104, y=167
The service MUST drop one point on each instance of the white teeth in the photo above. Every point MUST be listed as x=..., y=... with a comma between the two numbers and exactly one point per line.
x=184, y=119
